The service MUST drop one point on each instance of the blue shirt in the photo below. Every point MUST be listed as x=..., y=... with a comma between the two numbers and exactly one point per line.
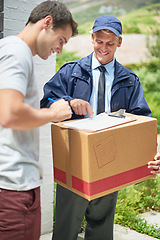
x=109, y=77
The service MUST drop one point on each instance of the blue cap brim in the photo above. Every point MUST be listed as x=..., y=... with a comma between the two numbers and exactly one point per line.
x=96, y=29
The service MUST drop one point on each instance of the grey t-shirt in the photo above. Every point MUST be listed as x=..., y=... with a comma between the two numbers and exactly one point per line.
x=19, y=150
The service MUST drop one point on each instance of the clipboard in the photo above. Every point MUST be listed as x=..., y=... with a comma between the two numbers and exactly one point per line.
x=100, y=121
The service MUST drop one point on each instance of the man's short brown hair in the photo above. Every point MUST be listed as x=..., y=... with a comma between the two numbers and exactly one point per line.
x=59, y=12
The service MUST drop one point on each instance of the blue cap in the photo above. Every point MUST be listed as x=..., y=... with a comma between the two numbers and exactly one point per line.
x=108, y=22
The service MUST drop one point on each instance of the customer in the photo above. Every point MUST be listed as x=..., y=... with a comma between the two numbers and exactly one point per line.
x=49, y=27
x=77, y=83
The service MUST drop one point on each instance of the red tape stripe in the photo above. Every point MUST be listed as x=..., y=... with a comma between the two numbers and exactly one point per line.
x=60, y=175
x=106, y=183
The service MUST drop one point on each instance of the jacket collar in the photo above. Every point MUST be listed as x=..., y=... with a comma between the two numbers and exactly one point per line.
x=121, y=72
x=86, y=63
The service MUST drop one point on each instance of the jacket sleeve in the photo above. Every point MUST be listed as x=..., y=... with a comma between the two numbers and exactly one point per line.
x=138, y=104
x=57, y=87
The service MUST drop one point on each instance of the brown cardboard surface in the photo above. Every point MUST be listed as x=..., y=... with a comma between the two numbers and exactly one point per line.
x=95, y=164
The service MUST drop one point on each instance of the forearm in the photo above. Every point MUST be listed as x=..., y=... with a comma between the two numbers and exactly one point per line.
x=26, y=117
x=16, y=114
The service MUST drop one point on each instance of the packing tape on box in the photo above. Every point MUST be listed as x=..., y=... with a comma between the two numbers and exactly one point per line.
x=68, y=158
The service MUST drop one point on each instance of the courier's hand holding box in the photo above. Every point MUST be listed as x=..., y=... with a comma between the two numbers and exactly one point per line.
x=94, y=164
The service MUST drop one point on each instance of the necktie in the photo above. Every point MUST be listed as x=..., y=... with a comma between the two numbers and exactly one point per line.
x=101, y=91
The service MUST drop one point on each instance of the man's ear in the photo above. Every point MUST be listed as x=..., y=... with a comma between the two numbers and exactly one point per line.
x=120, y=42
x=48, y=22
x=92, y=37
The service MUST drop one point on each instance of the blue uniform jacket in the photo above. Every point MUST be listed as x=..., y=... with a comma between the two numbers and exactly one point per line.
x=74, y=80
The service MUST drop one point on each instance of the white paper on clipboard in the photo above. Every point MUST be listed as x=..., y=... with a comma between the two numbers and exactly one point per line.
x=98, y=122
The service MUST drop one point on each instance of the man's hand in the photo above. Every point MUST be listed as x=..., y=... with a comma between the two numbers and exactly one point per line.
x=16, y=114
x=81, y=107
x=61, y=110
x=155, y=164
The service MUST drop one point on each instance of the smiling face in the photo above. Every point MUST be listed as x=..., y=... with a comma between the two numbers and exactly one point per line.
x=52, y=40
x=105, y=45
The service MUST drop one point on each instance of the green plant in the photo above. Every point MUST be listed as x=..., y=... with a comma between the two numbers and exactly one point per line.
x=134, y=21
x=149, y=77
x=54, y=202
x=65, y=57
x=130, y=28
x=136, y=199
x=153, y=43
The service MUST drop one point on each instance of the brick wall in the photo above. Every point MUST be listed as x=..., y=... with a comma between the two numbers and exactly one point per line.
x=1, y=18
x=16, y=14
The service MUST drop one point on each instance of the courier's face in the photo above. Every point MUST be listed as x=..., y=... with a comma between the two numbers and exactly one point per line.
x=52, y=40
x=105, y=45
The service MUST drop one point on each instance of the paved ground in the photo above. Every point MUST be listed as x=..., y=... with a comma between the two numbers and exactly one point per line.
x=122, y=233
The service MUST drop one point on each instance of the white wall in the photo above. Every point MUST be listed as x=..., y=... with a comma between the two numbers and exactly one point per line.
x=44, y=71
x=16, y=14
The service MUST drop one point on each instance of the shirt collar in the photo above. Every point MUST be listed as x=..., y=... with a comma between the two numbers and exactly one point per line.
x=109, y=66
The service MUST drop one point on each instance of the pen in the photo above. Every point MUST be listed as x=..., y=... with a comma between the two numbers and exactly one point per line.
x=50, y=99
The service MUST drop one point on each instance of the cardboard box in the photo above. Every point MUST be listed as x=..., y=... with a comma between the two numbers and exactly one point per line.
x=96, y=164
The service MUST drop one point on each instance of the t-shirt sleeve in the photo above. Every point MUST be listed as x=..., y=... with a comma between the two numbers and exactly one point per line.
x=15, y=70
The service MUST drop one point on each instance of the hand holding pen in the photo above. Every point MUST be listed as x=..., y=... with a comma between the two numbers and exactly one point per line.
x=61, y=108
x=52, y=100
